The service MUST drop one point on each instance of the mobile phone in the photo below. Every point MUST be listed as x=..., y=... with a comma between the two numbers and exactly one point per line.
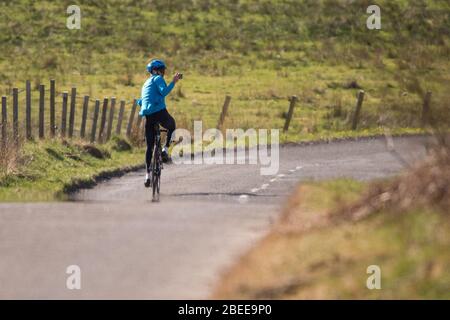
x=180, y=75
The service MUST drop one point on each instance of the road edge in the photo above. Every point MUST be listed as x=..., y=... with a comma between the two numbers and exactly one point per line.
x=88, y=183
x=80, y=184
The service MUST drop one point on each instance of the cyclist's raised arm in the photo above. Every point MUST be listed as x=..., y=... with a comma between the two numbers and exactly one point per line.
x=163, y=88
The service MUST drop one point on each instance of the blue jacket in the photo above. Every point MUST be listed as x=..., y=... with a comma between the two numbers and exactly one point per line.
x=153, y=95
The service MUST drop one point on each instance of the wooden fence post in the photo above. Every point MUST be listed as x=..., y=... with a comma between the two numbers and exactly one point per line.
x=138, y=127
x=293, y=100
x=120, y=118
x=84, y=117
x=73, y=96
x=16, y=115
x=224, y=112
x=138, y=123
x=357, y=109
x=94, y=120
x=426, y=110
x=101, y=134
x=64, y=114
x=111, y=118
x=130, y=121
x=52, y=107
x=41, y=110
x=28, y=132
x=4, y=120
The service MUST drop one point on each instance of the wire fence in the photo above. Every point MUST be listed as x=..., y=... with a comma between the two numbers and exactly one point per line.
x=67, y=114
x=57, y=113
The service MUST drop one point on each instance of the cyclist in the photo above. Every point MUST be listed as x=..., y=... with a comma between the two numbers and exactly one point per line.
x=153, y=108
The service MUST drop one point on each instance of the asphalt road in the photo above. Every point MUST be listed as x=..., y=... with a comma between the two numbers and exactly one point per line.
x=128, y=247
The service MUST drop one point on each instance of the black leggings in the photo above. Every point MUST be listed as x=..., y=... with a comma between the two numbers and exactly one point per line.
x=167, y=121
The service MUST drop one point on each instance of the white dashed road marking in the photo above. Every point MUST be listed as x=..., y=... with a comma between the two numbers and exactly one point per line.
x=266, y=185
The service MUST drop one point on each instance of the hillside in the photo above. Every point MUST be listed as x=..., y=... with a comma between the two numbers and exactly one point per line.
x=259, y=52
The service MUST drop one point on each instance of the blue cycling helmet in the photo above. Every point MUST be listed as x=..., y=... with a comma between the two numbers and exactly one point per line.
x=155, y=64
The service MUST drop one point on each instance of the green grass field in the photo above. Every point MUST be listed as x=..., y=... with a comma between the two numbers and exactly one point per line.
x=47, y=170
x=259, y=52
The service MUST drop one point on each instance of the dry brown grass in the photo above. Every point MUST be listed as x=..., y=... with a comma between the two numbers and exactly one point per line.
x=9, y=153
x=137, y=135
x=426, y=185
x=329, y=233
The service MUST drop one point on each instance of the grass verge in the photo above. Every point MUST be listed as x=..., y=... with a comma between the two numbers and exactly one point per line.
x=47, y=170
x=304, y=257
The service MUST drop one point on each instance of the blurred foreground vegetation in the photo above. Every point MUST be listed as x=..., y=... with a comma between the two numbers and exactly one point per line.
x=331, y=232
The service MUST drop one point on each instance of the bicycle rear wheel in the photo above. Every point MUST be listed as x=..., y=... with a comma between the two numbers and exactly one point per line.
x=156, y=172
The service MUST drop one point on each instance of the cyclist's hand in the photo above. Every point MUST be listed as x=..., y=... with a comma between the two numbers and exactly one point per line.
x=176, y=77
